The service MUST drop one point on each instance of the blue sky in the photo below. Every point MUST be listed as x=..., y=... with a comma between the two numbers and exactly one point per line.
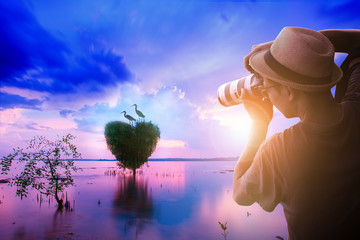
x=72, y=66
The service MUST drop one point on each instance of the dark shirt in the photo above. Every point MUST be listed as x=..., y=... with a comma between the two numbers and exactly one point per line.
x=314, y=172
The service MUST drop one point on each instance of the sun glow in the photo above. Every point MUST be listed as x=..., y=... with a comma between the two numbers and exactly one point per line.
x=233, y=117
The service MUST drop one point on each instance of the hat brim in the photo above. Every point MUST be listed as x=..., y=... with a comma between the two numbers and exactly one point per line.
x=257, y=62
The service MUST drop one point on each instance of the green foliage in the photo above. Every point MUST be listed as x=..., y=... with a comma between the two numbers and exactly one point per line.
x=46, y=166
x=131, y=145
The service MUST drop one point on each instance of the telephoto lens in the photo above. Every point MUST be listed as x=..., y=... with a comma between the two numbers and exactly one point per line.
x=229, y=93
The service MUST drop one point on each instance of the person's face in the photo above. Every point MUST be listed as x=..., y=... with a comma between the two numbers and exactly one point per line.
x=279, y=97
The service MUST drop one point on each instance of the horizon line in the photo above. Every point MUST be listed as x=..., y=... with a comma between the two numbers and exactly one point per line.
x=168, y=159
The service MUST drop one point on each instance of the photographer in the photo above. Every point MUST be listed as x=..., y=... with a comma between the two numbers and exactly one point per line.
x=313, y=167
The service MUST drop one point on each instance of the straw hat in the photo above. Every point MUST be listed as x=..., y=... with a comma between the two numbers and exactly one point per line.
x=299, y=58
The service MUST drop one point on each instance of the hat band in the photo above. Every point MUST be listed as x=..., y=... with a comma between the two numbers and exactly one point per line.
x=291, y=75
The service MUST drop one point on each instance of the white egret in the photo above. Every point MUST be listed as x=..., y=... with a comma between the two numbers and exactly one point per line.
x=138, y=112
x=130, y=118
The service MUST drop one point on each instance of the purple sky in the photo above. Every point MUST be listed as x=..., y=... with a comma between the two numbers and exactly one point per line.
x=72, y=66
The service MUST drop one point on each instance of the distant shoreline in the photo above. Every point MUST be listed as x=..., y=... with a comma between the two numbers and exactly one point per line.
x=169, y=159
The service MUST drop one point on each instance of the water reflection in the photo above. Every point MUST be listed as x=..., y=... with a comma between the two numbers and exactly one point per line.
x=57, y=226
x=133, y=203
x=168, y=200
x=61, y=225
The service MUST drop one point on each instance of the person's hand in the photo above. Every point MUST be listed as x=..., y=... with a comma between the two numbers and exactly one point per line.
x=255, y=49
x=258, y=109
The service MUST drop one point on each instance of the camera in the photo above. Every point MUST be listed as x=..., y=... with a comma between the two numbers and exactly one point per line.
x=229, y=93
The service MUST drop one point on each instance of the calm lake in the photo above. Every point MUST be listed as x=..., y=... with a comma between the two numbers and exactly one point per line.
x=167, y=200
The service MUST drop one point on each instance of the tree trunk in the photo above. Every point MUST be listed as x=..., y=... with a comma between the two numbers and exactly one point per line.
x=58, y=200
x=134, y=173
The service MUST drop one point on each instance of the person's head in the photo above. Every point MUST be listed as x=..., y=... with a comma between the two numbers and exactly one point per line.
x=281, y=96
x=299, y=61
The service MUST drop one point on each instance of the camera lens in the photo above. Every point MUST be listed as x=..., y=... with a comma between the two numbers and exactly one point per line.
x=229, y=93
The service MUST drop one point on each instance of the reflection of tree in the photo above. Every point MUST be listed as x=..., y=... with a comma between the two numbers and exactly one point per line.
x=56, y=230
x=57, y=227
x=133, y=203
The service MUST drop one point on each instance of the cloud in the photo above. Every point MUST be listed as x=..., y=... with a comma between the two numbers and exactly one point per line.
x=24, y=43
x=28, y=94
x=171, y=143
x=72, y=67
x=35, y=126
x=65, y=113
x=15, y=101
x=177, y=118
x=92, y=73
x=32, y=58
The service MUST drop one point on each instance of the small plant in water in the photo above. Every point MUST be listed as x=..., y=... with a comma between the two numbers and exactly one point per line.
x=46, y=166
x=224, y=227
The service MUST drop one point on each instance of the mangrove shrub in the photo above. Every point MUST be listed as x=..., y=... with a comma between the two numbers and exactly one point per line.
x=46, y=166
x=131, y=145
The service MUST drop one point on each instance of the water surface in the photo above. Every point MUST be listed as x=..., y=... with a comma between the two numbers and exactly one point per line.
x=166, y=200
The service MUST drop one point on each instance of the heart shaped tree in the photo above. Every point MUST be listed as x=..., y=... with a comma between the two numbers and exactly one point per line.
x=131, y=145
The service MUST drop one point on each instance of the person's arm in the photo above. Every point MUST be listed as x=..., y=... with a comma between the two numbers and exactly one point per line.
x=344, y=40
x=350, y=88
x=257, y=110
x=257, y=136
x=347, y=41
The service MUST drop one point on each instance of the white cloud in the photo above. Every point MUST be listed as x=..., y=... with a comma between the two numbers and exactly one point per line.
x=171, y=143
x=28, y=94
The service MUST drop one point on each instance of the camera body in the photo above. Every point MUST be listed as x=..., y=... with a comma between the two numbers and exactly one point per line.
x=229, y=93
